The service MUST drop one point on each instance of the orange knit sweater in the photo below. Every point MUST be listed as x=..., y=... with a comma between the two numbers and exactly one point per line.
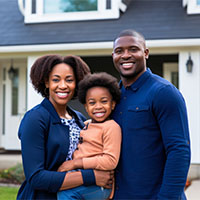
x=101, y=145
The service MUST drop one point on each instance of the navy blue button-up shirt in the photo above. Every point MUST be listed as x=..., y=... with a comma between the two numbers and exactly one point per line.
x=155, y=153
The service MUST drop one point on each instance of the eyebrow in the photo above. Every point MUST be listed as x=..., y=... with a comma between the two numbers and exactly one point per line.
x=69, y=76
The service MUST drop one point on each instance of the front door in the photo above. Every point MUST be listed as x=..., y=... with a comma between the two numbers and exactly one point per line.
x=170, y=72
x=13, y=102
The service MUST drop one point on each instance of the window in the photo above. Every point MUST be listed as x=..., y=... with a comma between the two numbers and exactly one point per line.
x=15, y=92
x=62, y=6
x=70, y=10
x=193, y=7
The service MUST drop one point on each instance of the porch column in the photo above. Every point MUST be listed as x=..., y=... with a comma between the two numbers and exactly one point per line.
x=33, y=98
x=190, y=87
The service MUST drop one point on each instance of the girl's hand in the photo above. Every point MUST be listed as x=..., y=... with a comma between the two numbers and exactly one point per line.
x=104, y=178
x=66, y=166
x=70, y=165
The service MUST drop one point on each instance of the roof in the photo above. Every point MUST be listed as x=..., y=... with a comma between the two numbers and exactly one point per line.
x=163, y=19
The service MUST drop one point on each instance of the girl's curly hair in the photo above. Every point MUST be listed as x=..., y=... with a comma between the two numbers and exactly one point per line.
x=101, y=79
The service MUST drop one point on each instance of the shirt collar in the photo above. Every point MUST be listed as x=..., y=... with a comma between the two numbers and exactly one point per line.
x=139, y=82
x=56, y=119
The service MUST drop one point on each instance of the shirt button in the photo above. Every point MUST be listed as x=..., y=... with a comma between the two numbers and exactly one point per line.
x=117, y=188
x=137, y=108
x=120, y=113
x=125, y=98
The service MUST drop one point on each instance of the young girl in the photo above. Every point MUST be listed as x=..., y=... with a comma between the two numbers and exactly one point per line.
x=100, y=140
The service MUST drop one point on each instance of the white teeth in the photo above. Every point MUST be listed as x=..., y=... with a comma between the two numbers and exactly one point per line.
x=61, y=94
x=99, y=114
x=126, y=64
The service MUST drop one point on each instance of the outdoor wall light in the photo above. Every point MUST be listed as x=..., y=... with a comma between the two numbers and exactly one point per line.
x=11, y=71
x=189, y=64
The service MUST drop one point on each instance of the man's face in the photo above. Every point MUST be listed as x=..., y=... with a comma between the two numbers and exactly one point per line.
x=129, y=57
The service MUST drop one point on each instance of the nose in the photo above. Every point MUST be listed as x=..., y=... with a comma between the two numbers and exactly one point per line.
x=98, y=105
x=126, y=54
x=63, y=84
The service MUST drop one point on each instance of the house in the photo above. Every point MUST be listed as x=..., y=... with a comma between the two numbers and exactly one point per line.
x=31, y=28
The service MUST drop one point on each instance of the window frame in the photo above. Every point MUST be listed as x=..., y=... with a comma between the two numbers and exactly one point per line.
x=193, y=7
x=101, y=13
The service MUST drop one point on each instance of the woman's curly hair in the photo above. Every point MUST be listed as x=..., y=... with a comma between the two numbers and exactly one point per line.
x=44, y=65
x=101, y=79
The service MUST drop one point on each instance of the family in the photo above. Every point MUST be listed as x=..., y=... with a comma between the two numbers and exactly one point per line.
x=135, y=144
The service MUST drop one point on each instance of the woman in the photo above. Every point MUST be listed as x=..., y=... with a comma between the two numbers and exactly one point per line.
x=50, y=130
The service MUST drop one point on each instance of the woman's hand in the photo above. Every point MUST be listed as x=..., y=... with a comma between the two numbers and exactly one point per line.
x=104, y=178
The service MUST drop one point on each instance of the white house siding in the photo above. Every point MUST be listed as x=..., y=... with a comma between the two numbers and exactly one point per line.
x=190, y=88
x=33, y=98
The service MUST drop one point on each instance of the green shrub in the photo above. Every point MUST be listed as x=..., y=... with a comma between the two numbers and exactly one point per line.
x=13, y=175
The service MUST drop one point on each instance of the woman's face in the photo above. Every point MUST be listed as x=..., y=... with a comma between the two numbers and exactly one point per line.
x=61, y=85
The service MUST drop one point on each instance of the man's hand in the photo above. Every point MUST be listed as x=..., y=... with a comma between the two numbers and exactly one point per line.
x=104, y=178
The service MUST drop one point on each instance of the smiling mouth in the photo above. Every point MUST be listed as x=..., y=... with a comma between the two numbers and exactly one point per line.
x=62, y=94
x=101, y=114
x=127, y=65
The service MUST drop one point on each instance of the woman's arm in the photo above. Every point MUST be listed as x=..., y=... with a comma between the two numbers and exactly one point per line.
x=75, y=179
x=32, y=131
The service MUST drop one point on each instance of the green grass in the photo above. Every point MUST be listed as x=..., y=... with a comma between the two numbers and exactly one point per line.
x=8, y=193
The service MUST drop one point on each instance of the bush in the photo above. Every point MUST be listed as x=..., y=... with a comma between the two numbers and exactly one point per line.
x=13, y=175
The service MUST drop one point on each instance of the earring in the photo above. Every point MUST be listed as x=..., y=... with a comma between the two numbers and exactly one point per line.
x=46, y=91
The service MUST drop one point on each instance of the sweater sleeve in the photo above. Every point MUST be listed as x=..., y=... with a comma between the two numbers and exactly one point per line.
x=170, y=111
x=109, y=158
x=32, y=134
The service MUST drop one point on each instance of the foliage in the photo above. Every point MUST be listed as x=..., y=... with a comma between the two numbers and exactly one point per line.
x=13, y=175
x=8, y=193
x=78, y=5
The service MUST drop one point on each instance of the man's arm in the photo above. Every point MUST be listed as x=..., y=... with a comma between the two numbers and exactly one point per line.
x=170, y=111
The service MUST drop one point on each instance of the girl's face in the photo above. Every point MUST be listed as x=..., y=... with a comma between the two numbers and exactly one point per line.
x=61, y=85
x=99, y=104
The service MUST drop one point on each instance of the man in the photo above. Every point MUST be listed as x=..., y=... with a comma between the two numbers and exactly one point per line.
x=155, y=154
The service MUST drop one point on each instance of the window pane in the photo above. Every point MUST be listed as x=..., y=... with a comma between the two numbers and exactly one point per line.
x=4, y=109
x=108, y=4
x=198, y=2
x=33, y=6
x=174, y=79
x=15, y=86
x=60, y=6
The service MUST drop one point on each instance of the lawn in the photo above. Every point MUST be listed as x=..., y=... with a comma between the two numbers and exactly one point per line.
x=8, y=193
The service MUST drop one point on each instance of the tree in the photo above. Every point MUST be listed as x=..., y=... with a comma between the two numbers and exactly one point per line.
x=78, y=5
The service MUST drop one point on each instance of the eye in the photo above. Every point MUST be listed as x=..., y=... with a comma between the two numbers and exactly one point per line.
x=118, y=51
x=55, y=79
x=70, y=80
x=91, y=103
x=104, y=101
x=133, y=49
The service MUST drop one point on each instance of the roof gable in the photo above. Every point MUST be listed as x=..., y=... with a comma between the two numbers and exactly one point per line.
x=163, y=19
